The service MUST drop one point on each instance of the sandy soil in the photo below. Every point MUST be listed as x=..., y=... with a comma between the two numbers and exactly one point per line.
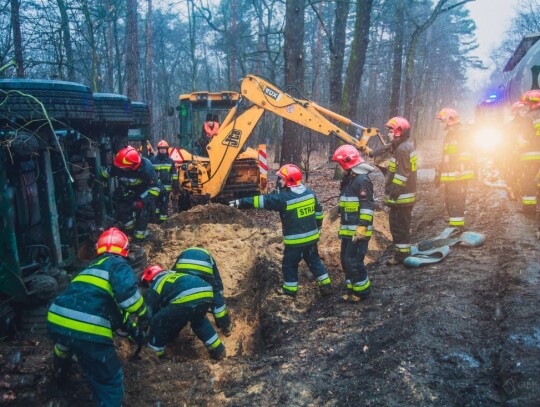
x=462, y=332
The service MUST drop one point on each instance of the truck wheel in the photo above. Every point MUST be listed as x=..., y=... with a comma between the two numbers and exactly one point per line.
x=65, y=102
x=141, y=115
x=138, y=259
x=40, y=288
x=113, y=109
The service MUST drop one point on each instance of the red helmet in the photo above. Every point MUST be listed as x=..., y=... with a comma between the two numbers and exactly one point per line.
x=398, y=124
x=162, y=144
x=150, y=272
x=347, y=156
x=113, y=241
x=518, y=106
x=531, y=98
x=291, y=174
x=127, y=158
x=449, y=116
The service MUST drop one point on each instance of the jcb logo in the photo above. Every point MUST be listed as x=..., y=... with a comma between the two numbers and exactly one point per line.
x=233, y=139
x=272, y=93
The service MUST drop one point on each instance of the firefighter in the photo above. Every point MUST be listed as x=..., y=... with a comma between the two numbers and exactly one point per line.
x=510, y=155
x=168, y=175
x=138, y=190
x=456, y=168
x=185, y=295
x=530, y=153
x=97, y=302
x=301, y=218
x=210, y=129
x=356, y=204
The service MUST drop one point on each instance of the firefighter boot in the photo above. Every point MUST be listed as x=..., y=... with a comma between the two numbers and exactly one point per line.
x=285, y=293
x=396, y=259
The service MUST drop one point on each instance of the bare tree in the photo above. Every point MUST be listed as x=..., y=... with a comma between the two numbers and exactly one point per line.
x=291, y=147
x=355, y=69
x=132, y=50
x=17, y=37
x=397, y=60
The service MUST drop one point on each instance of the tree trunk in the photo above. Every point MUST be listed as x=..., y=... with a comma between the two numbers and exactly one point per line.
x=291, y=148
x=337, y=54
x=66, y=36
x=108, y=35
x=232, y=46
x=355, y=69
x=397, y=63
x=149, y=70
x=96, y=82
x=17, y=37
x=132, y=50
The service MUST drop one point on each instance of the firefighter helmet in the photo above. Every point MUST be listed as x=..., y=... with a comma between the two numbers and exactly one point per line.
x=448, y=116
x=291, y=174
x=113, y=241
x=399, y=124
x=127, y=158
x=162, y=144
x=150, y=272
x=518, y=106
x=531, y=98
x=347, y=156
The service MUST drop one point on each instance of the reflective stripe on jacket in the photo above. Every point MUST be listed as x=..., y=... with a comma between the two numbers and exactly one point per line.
x=400, y=180
x=356, y=204
x=198, y=262
x=166, y=171
x=300, y=212
x=457, y=163
x=97, y=300
x=143, y=181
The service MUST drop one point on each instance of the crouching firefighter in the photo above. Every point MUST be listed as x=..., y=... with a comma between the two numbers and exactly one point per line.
x=168, y=175
x=140, y=187
x=356, y=206
x=184, y=295
x=97, y=302
x=301, y=218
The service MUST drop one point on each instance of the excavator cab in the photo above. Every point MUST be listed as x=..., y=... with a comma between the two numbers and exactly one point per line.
x=248, y=173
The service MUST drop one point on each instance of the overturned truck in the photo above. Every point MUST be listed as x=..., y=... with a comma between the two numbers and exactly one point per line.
x=54, y=138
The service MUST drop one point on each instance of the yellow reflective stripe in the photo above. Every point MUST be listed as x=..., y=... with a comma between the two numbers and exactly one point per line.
x=310, y=201
x=363, y=287
x=365, y=216
x=397, y=181
x=96, y=281
x=79, y=326
x=193, y=297
x=301, y=240
x=256, y=202
x=99, y=262
x=215, y=344
x=324, y=282
x=221, y=314
x=180, y=266
x=135, y=306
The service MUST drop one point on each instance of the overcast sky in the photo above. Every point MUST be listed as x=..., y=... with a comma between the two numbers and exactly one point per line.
x=492, y=18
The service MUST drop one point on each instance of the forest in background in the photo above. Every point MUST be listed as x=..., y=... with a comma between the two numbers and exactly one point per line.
x=366, y=59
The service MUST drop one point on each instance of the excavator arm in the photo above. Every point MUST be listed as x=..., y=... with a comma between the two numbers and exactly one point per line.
x=237, y=128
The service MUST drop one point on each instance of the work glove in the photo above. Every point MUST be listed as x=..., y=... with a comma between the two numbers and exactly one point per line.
x=138, y=205
x=235, y=203
x=360, y=234
x=437, y=179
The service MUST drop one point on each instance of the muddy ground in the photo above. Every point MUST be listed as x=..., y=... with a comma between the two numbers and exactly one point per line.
x=465, y=331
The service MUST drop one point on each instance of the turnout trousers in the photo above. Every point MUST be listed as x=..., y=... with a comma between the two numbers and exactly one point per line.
x=455, y=198
x=530, y=185
x=400, y=228
x=352, y=260
x=291, y=258
x=99, y=363
x=167, y=323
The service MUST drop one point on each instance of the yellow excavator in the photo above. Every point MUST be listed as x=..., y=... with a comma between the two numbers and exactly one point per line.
x=208, y=177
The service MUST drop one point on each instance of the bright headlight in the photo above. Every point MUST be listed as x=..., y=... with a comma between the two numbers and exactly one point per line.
x=487, y=139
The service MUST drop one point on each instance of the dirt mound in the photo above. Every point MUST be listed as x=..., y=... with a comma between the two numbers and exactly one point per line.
x=211, y=213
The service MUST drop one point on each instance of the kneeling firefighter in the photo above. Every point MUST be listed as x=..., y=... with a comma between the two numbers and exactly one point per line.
x=184, y=295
